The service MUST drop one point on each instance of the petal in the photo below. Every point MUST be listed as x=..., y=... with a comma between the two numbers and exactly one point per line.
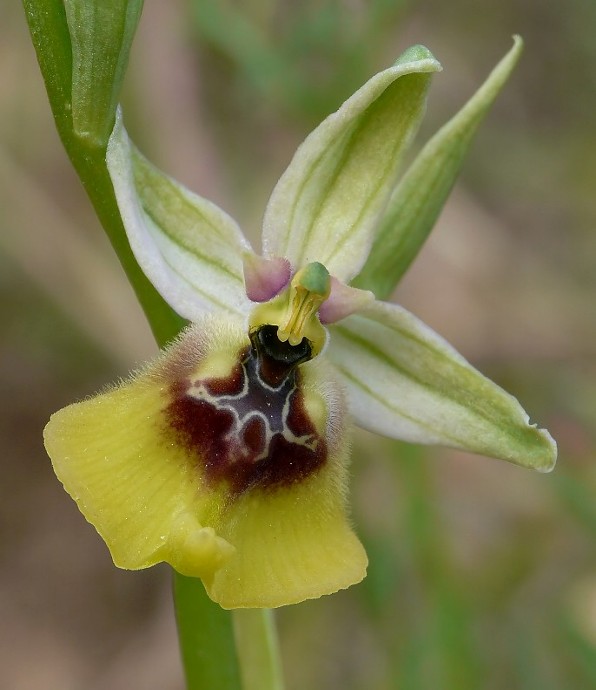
x=343, y=301
x=296, y=542
x=423, y=190
x=405, y=381
x=265, y=278
x=325, y=205
x=128, y=480
x=149, y=465
x=188, y=247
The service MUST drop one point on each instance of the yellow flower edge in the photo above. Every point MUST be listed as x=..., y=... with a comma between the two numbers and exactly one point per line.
x=151, y=497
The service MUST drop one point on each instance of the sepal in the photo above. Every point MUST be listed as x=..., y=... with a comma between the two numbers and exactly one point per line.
x=189, y=248
x=404, y=381
x=325, y=206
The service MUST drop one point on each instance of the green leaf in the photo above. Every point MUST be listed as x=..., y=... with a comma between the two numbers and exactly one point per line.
x=101, y=35
x=325, y=206
x=418, y=199
x=406, y=382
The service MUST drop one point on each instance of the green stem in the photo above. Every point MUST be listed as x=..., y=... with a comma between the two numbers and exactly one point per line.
x=51, y=38
x=206, y=638
x=258, y=649
x=205, y=630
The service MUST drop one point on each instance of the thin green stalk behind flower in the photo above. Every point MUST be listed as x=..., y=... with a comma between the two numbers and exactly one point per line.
x=51, y=38
x=206, y=639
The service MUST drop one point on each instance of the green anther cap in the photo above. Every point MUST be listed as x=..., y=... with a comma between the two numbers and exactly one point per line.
x=414, y=54
x=315, y=278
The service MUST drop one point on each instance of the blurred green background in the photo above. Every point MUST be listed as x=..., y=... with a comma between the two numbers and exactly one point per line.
x=482, y=576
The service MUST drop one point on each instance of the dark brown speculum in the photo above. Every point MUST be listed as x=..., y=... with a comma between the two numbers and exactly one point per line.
x=251, y=428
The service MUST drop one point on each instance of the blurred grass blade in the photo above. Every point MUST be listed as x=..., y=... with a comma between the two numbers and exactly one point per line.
x=578, y=644
x=101, y=35
x=418, y=199
x=577, y=496
x=237, y=36
x=444, y=649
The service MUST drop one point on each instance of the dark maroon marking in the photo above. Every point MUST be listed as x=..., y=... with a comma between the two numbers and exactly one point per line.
x=238, y=437
x=298, y=420
x=254, y=435
x=227, y=385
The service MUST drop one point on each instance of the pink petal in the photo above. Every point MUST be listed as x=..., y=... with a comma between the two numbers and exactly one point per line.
x=343, y=301
x=264, y=278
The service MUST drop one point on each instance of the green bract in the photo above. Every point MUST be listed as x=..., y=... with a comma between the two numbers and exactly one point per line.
x=101, y=34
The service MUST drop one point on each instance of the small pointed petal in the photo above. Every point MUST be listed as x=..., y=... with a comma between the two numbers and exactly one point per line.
x=325, y=206
x=194, y=462
x=343, y=301
x=406, y=382
x=188, y=247
x=418, y=199
x=264, y=278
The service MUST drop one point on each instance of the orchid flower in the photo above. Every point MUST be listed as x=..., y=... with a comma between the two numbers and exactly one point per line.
x=227, y=456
